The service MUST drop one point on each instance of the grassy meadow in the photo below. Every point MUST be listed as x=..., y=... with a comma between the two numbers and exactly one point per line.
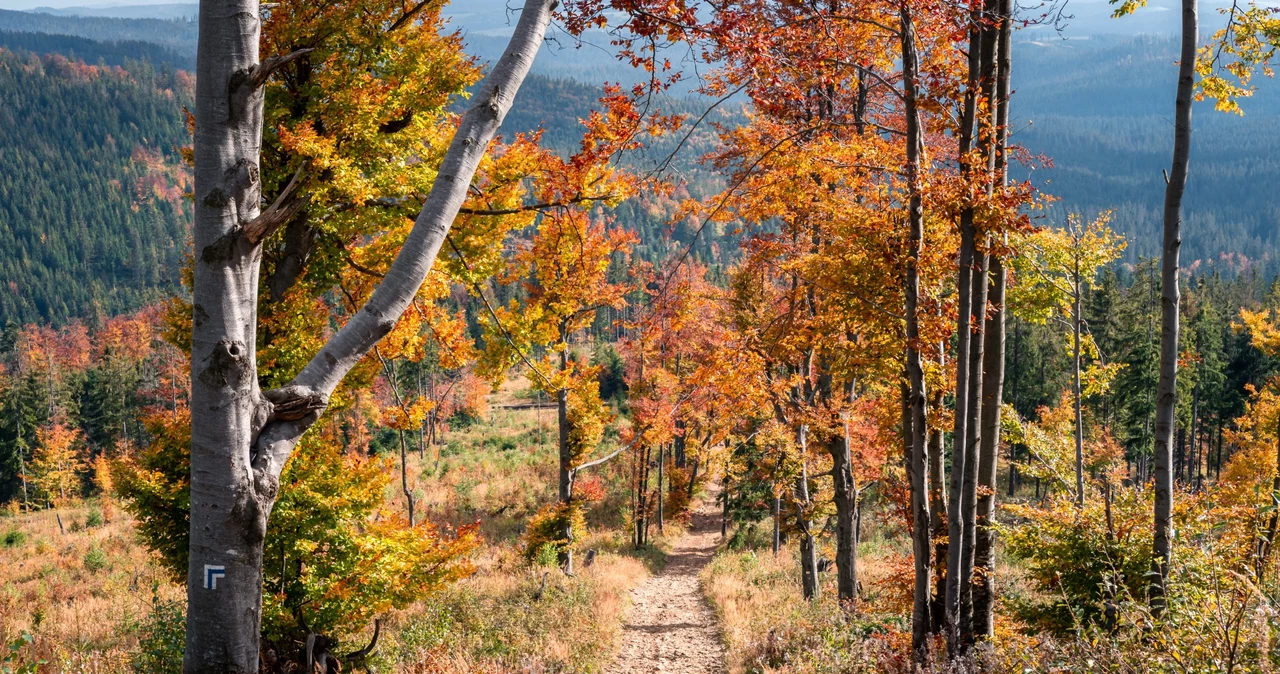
x=92, y=599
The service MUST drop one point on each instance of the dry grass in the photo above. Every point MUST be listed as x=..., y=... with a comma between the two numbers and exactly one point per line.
x=768, y=627
x=496, y=473
x=504, y=619
x=51, y=587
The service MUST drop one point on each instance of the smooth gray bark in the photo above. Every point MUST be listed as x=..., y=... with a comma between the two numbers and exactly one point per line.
x=992, y=394
x=808, y=546
x=993, y=384
x=240, y=435
x=662, y=459
x=1077, y=394
x=969, y=496
x=1166, y=390
x=956, y=553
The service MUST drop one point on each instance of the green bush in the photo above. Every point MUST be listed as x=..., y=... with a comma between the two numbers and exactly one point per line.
x=14, y=538
x=162, y=637
x=94, y=518
x=10, y=658
x=546, y=529
x=545, y=555
x=95, y=560
x=1076, y=562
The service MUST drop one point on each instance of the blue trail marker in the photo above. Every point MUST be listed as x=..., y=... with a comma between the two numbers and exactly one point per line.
x=212, y=574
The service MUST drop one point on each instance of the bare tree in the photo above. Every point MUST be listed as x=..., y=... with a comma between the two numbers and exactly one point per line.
x=241, y=436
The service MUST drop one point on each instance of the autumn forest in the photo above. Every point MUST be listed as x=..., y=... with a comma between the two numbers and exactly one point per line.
x=637, y=336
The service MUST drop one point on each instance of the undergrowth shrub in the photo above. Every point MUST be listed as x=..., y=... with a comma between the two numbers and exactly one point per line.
x=1081, y=561
x=161, y=639
x=14, y=538
x=95, y=560
x=9, y=658
x=547, y=527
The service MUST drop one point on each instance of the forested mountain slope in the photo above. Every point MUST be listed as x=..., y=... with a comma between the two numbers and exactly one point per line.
x=176, y=34
x=1099, y=108
x=114, y=53
x=92, y=212
x=1102, y=110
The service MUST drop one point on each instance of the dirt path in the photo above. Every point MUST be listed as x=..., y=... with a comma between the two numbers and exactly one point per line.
x=671, y=629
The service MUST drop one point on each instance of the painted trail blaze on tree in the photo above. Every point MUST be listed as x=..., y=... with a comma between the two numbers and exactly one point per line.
x=212, y=574
x=242, y=436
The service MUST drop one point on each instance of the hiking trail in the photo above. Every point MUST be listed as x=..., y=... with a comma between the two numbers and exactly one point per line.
x=670, y=628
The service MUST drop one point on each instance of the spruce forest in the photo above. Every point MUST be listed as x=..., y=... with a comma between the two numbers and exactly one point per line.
x=639, y=336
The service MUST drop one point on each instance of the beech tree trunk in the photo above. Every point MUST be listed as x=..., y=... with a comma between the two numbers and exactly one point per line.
x=808, y=546
x=969, y=496
x=662, y=459
x=994, y=356
x=242, y=436
x=1166, y=391
x=956, y=553
x=918, y=461
x=846, y=501
x=1077, y=395
x=565, y=491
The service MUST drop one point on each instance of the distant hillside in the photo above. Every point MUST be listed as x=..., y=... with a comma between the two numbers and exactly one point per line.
x=1102, y=110
x=78, y=146
x=176, y=34
x=93, y=51
x=161, y=11
x=92, y=213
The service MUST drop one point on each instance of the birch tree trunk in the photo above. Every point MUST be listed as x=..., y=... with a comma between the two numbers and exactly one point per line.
x=1166, y=391
x=938, y=506
x=242, y=436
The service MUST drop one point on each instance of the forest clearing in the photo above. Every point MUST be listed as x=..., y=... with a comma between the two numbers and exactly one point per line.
x=775, y=357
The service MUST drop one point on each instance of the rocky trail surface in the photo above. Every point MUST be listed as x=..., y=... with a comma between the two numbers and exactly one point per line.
x=671, y=629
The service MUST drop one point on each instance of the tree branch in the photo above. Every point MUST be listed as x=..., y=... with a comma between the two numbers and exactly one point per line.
x=279, y=212
x=259, y=74
x=477, y=128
